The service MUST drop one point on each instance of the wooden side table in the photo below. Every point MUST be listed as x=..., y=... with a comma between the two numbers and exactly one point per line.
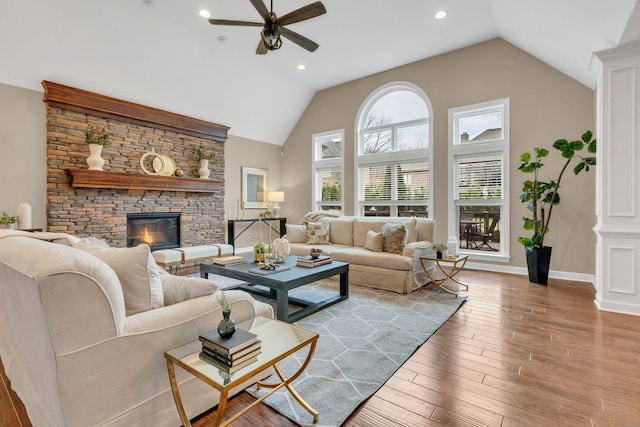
x=455, y=265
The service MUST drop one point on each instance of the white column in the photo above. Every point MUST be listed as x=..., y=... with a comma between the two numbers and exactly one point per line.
x=618, y=180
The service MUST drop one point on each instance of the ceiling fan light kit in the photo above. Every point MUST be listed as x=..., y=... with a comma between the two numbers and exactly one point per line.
x=274, y=27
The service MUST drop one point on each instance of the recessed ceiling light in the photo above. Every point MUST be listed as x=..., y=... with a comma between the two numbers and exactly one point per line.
x=302, y=67
x=440, y=14
x=150, y=3
x=222, y=39
x=204, y=13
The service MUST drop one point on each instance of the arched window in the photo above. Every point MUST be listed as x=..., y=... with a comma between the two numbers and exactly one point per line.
x=393, y=152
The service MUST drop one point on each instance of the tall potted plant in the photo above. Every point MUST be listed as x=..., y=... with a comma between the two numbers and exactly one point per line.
x=541, y=196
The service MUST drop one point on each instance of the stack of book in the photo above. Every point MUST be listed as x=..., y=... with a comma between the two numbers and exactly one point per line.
x=309, y=262
x=229, y=260
x=230, y=354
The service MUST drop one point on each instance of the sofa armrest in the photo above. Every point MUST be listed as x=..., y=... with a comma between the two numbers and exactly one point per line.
x=423, y=246
x=243, y=312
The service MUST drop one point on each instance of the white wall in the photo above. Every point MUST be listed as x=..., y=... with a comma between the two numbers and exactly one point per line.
x=23, y=165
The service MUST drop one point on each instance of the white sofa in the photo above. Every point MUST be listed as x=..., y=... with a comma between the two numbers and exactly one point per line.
x=75, y=351
x=382, y=270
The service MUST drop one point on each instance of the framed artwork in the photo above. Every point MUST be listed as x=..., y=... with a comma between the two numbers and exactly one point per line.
x=255, y=185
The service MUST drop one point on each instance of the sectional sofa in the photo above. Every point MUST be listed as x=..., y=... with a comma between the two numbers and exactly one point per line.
x=363, y=243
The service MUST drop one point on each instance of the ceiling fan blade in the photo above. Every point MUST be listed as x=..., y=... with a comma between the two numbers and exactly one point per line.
x=262, y=49
x=238, y=23
x=306, y=12
x=262, y=10
x=298, y=39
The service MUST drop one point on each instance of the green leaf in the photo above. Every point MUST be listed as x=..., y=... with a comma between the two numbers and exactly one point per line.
x=541, y=152
x=527, y=224
x=561, y=144
x=526, y=242
x=576, y=145
x=579, y=167
x=592, y=146
x=586, y=137
x=525, y=157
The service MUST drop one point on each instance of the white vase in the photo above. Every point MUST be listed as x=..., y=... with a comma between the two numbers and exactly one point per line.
x=204, y=169
x=95, y=161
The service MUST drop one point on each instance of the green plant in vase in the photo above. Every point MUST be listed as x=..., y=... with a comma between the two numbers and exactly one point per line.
x=259, y=249
x=541, y=196
x=9, y=221
x=227, y=326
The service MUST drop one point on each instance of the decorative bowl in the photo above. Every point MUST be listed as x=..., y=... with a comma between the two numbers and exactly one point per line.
x=315, y=252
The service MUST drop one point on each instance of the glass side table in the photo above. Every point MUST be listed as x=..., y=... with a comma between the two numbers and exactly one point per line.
x=453, y=265
x=279, y=340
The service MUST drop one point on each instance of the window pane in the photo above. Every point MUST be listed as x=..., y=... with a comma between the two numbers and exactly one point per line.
x=480, y=178
x=413, y=181
x=331, y=208
x=377, y=142
x=331, y=148
x=377, y=182
x=376, y=210
x=480, y=228
x=396, y=107
x=412, y=137
x=480, y=127
x=331, y=180
x=413, y=211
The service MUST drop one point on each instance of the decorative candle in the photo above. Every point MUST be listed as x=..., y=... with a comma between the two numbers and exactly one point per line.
x=24, y=214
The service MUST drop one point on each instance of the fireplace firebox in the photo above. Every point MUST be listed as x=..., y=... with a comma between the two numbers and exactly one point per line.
x=158, y=230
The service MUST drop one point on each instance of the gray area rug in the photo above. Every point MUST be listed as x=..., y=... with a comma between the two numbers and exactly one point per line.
x=363, y=341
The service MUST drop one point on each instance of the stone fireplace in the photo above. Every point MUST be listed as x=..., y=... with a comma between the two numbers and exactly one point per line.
x=102, y=210
x=159, y=230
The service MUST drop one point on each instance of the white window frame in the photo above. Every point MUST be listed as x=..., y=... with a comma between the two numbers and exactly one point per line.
x=484, y=148
x=394, y=157
x=318, y=164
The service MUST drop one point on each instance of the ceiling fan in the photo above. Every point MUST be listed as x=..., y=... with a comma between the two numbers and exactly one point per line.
x=274, y=27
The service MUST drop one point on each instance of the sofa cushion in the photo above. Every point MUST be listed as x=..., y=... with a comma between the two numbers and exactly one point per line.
x=137, y=272
x=361, y=226
x=374, y=241
x=296, y=233
x=426, y=229
x=183, y=288
x=318, y=233
x=302, y=249
x=362, y=256
x=395, y=237
x=341, y=231
x=412, y=230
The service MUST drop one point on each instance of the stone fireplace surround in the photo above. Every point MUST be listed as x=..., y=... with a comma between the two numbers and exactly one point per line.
x=135, y=129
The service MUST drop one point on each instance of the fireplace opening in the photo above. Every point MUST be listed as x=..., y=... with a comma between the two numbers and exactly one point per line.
x=158, y=230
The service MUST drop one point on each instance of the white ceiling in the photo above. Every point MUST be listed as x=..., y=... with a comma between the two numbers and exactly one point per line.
x=169, y=57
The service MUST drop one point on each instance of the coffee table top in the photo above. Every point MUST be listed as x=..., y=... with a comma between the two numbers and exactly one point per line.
x=279, y=340
x=294, y=275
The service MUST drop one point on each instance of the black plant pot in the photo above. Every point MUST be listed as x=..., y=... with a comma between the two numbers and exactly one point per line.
x=538, y=260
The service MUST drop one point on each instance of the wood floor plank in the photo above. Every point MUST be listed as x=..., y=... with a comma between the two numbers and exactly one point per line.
x=515, y=354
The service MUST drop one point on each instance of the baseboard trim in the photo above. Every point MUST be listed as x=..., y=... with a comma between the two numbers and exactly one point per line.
x=522, y=271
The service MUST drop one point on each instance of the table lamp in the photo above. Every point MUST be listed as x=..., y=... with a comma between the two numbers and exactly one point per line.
x=276, y=197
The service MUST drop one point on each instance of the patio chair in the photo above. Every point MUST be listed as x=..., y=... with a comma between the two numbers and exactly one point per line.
x=487, y=236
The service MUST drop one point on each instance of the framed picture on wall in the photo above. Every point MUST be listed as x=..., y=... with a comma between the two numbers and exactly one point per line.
x=255, y=184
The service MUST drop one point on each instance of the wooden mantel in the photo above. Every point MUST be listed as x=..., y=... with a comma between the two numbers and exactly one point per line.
x=82, y=101
x=127, y=181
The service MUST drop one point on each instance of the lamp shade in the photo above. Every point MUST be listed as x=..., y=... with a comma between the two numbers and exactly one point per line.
x=276, y=196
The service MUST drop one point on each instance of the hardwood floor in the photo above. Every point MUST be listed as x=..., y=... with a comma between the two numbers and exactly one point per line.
x=516, y=354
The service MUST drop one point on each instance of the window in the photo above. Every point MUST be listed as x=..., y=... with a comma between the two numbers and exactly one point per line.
x=478, y=167
x=328, y=166
x=393, y=152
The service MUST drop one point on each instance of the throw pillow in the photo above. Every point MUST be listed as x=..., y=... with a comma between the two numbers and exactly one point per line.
x=182, y=288
x=135, y=268
x=395, y=237
x=296, y=233
x=318, y=233
x=374, y=241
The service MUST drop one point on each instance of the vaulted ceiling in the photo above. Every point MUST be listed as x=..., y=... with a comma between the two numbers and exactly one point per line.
x=161, y=53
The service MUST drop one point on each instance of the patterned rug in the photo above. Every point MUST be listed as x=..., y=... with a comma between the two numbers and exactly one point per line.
x=363, y=341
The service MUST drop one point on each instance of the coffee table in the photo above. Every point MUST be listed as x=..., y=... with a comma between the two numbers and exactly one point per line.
x=280, y=283
x=279, y=340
